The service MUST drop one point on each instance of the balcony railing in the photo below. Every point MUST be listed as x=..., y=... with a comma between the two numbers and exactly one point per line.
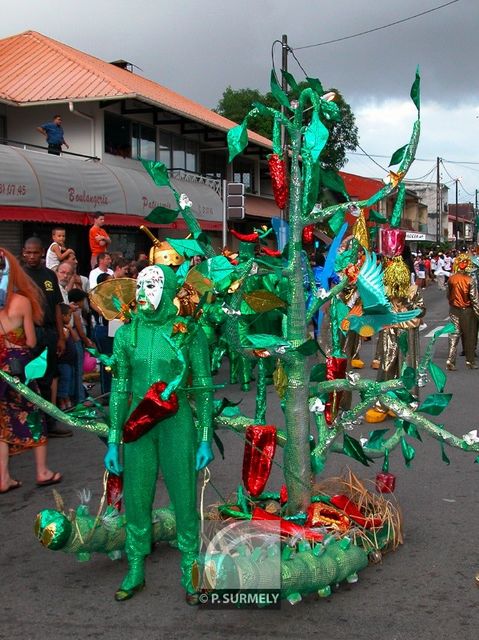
x=37, y=147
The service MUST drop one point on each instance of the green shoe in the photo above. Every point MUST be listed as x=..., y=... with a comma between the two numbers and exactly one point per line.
x=126, y=594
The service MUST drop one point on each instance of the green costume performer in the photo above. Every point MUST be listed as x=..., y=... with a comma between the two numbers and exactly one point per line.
x=146, y=351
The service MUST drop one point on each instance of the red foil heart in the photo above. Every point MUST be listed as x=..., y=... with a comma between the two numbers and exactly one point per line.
x=385, y=482
x=151, y=410
x=259, y=449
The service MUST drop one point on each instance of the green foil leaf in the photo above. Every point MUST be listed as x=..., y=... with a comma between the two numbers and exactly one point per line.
x=375, y=438
x=398, y=155
x=158, y=171
x=186, y=248
x=36, y=368
x=408, y=452
x=443, y=454
x=409, y=377
x=354, y=449
x=318, y=373
x=403, y=342
x=336, y=221
x=416, y=90
x=315, y=137
x=237, y=138
x=290, y=80
x=315, y=85
x=435, y=403
x=438, y=375
x=375, y=216
x=308, y=348
x=162, y=215
x=277, y=92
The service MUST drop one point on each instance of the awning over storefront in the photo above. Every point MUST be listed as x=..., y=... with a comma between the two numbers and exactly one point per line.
x=46, y=188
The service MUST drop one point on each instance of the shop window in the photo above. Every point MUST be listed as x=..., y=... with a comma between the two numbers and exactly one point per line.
x=177, y=153
x=244, y=172
x=164, y=149
x=117, y=135
x=143, y=141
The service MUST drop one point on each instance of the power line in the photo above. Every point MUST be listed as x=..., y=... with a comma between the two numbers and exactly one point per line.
x=385, y=26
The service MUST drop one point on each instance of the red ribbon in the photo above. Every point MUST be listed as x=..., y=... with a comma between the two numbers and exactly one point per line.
x=259, y=450
x=351, y=510
x=271, y=252
x=277, y=169
x=151, y=410
x=335, y=370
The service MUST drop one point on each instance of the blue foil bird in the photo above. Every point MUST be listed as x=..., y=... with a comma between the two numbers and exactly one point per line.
x=378, y=311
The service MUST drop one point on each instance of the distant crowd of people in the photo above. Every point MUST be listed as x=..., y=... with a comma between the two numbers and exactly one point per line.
x=44, y=304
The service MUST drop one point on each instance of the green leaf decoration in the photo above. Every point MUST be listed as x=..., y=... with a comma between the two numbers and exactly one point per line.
x=449, y=328
x=354, y=449
x=262, y=109
x=162, y=215
x=277, y=92
x=318, y=373
x=34, y=423
x=438, y=375
x=385, y=468
x=263, y=300
x=409, y=428
x=290, y=80
x=237, y=138
x=403, y=342
x=336, y=221
x=443, y=454
x=266, y=341
x=402, y=395
x=308, y=348
x=315, y=85
x=409, y=377
x=315, y=137
x=396, y=215
x=375, y=216
x=476, y=461
x=435, y=403
x=216, y=269
x=158, y=171
x=330, y=179
x=398, y=155
x=408, y=452
x=343, y=259
x=36, y=368
x=416, y=91
x=182, y=272
x=202, y=237
x=375, y=438
x=186, y=248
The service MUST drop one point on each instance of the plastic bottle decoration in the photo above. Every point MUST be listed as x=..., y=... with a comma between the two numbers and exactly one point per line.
x=277, y=169
x=259, y=450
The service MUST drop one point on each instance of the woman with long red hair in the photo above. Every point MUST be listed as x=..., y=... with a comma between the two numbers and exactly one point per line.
x=20, y=310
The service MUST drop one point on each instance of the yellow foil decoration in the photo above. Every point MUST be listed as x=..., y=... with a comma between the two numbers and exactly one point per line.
x=360, y=231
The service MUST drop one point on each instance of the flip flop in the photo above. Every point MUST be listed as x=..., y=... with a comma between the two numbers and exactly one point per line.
x=54, y=479
x=17, y=485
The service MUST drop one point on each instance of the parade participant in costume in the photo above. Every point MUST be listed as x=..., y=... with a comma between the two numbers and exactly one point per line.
x=20, y=307
x=463, y=311
x=146, y=351
x=403, y=296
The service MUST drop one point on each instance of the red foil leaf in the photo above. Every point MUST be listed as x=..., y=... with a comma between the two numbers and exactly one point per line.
x=287, y=528
x=151, y=410
x=283, y=495
x=259, y=450
x=245, y=237
x=277, y=170
x=335, y=370
x=114, y=490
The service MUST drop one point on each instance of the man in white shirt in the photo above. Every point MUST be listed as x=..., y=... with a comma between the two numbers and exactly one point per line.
x=104, y=262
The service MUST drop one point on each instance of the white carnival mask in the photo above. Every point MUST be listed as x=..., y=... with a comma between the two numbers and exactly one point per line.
x=149, y=286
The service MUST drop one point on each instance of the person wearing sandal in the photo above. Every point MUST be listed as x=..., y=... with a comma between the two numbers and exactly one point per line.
x=463, y=311
x=20, y=308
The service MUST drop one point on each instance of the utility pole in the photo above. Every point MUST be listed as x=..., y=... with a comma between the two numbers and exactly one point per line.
x=457, y=218
x=438, y=200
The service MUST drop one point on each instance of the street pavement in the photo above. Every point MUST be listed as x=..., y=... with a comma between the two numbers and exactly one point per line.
x=424, y=590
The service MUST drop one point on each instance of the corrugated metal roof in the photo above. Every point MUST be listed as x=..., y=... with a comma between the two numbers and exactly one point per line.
x=35, y=69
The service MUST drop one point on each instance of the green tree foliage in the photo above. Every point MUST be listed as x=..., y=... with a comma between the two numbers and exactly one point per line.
x=343, y=135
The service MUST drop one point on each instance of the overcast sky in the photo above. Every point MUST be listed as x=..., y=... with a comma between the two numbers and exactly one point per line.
x=199, y=47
